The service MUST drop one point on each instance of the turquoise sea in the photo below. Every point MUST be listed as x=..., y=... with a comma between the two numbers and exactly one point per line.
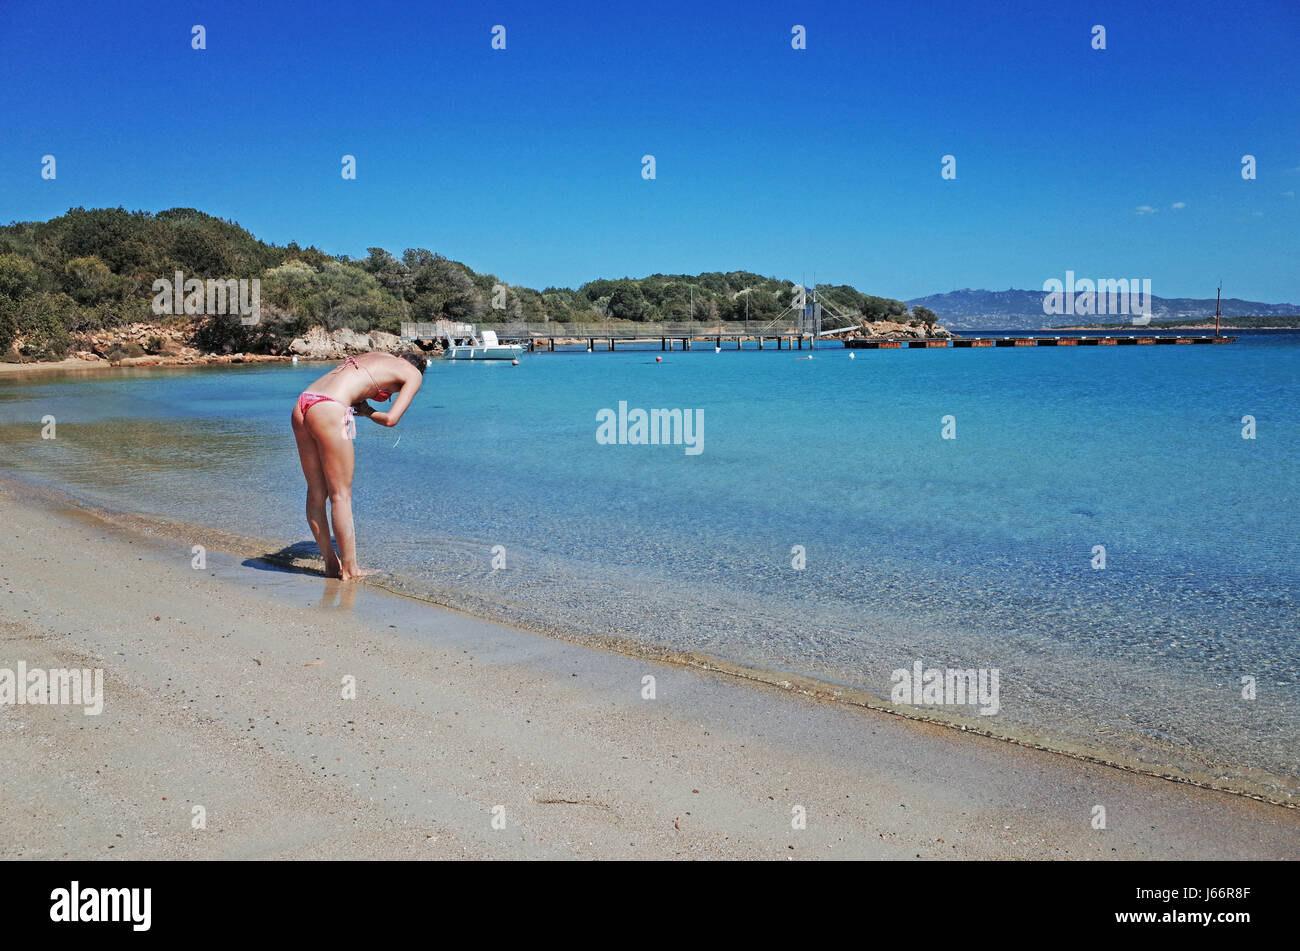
x=979, y=551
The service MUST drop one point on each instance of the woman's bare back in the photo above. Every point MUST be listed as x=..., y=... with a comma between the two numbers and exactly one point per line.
x=362, y=377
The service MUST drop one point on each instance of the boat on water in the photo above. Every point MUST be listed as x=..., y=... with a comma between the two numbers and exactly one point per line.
x=488, y=348
x=460, y=341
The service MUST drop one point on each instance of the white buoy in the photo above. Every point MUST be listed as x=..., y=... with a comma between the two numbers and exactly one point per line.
x=853, y=356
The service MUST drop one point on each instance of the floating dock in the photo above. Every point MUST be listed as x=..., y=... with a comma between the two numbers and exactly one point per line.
x=964, y=342
x=733, y=341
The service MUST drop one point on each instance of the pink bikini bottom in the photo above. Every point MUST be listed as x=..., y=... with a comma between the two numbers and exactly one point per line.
x=308, y=400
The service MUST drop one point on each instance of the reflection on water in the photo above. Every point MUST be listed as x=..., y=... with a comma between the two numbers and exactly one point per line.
x=338, y=596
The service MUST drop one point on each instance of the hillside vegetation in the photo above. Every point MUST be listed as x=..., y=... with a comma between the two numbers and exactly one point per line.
x=92, y=269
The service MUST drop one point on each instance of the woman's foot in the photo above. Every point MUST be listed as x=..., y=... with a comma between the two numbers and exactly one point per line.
x=353, y=573
x=333, y=568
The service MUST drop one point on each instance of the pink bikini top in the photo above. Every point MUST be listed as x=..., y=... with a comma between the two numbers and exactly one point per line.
x=380, y=396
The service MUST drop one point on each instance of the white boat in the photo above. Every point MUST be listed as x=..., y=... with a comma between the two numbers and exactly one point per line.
x=486, y=349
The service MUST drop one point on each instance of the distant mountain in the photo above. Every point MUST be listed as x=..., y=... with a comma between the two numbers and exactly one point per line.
x=968, y=309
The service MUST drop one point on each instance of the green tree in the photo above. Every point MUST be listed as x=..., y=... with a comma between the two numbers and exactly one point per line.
x=627, y=303
x=42, y=322
x=19, y=277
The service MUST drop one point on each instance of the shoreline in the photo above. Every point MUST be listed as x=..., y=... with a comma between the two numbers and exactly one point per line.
x=222, y=691
x=76, y=364
x=1181, y=753
x=173, y=344
x=477, y=609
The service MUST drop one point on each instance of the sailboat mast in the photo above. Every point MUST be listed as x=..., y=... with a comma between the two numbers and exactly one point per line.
x=1217, y=298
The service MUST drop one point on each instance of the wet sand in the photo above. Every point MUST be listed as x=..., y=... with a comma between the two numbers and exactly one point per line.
x=224, y=689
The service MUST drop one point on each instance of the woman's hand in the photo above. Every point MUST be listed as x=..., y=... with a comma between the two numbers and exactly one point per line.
x=362, y=408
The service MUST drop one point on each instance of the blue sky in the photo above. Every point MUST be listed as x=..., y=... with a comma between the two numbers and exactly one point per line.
x=527, y=162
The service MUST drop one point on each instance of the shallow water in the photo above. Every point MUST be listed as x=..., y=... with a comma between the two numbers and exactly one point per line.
x=969, y=552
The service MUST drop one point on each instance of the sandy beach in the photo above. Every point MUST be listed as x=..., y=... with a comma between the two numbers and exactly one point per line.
x=223, y=689
x=52, y=366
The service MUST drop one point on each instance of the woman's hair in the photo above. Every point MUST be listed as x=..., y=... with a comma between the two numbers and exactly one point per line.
x=415, y=359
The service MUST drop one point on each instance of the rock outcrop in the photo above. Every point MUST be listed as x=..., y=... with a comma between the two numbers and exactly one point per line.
x=321, y=344
x=173, y=344
x=892, y=330
x=144, y=342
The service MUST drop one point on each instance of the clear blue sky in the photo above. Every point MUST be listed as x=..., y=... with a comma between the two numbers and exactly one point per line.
x=527, y=162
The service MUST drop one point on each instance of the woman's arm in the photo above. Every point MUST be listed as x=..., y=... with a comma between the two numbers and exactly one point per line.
x=411, y=381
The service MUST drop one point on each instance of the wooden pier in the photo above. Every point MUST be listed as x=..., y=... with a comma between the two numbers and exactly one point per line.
x=965, y=342
x=780, y=335
x=727, y=341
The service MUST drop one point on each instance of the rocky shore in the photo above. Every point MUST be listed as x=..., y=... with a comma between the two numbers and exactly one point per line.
x=154, y=344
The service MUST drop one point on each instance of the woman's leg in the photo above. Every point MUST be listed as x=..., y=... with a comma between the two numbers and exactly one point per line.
x=326, y=424
x=317, y=493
